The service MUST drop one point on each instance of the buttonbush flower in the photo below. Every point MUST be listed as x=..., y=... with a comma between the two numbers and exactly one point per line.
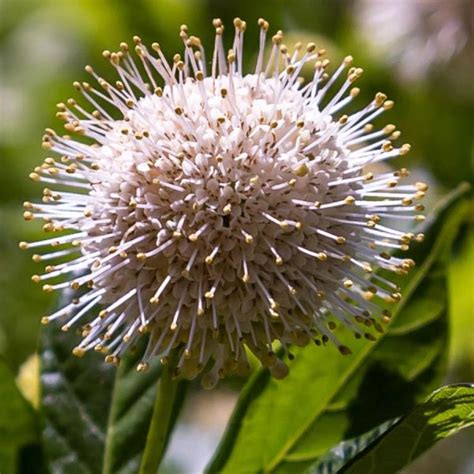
x=218, y=211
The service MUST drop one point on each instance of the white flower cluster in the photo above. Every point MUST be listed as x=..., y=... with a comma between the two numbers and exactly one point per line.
x=220, y=212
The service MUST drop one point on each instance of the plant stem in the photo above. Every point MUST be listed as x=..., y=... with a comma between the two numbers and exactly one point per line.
x=156, y=439
x=112, y=423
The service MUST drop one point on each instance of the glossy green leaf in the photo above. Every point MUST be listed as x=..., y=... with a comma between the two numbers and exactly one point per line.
x=443, y=413
x=332, y=461
x=18, y=423
x=96, y=417
x=328, y=398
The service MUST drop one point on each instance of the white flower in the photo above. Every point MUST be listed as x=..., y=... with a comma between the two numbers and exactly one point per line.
x=219, y=211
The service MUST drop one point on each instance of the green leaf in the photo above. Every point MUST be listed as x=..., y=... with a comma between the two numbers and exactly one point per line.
x=443, y=413
x=462, y=301
x=341, y=454
x=18, y=423
x=328, y=398
x=96, y=417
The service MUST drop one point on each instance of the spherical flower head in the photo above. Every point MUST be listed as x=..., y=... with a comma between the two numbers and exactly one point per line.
x=219, y=212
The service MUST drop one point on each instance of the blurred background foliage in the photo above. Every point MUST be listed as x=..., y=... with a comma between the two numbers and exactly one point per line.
x=420, y=52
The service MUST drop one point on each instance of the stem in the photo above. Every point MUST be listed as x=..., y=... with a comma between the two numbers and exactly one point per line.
x=156, y=439
x=112, y=423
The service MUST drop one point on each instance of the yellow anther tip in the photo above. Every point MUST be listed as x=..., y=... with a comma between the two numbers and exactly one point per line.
x=78, y=352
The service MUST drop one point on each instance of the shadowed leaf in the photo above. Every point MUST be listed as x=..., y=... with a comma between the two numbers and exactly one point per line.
x=19, y=429
x=96, y=417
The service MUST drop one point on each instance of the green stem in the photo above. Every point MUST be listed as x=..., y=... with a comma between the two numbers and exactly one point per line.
x=156, y=439
x=112, y=423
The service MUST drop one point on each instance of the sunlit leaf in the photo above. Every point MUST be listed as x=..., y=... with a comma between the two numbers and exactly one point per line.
x=461, y=301
x=443, y=413
x=328, y=398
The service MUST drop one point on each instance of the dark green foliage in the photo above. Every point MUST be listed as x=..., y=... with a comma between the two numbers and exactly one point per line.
x=19, y=427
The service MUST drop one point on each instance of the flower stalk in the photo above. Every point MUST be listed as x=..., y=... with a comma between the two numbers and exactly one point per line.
x=158, y=432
